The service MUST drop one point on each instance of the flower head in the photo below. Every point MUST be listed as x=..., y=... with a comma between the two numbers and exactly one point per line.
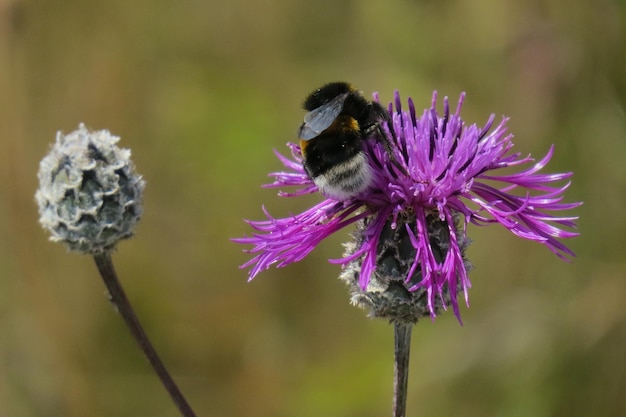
x=440, y=175
x=89, y=194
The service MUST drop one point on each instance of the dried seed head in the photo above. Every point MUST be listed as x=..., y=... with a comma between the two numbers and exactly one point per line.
x=89, y=194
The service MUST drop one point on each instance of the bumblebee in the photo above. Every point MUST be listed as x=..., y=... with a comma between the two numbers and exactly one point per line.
x=331, y=137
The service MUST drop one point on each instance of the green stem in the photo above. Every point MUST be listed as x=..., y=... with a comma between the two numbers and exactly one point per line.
x=119, y=299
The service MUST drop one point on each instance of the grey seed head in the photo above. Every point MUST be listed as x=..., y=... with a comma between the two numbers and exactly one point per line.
x=89, y=195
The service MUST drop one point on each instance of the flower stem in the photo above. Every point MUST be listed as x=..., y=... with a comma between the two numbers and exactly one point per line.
x=119, y=299
x=402, y=350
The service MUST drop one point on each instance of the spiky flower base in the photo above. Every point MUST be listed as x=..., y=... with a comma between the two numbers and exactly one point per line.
x=388, y=293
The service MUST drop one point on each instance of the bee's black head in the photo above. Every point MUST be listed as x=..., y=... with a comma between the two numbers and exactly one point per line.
x=325, y=94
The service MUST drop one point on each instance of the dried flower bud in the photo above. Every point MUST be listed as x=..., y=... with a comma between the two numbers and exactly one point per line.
x=89, y=194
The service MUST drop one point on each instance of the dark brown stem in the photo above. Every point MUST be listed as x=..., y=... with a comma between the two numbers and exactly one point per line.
x=119, y=299
x=402, y=350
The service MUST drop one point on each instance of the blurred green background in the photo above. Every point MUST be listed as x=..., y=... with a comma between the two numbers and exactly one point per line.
x=202, y=92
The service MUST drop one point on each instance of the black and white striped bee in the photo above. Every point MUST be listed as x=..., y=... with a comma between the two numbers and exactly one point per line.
x=331, y=137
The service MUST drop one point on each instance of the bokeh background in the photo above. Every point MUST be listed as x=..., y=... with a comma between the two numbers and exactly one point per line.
x=202, y=92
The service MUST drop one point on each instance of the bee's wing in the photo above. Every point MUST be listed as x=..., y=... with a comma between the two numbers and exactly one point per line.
x=317, y=120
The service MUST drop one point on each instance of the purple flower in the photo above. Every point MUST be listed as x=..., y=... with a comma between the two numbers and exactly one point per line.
x=441, y=175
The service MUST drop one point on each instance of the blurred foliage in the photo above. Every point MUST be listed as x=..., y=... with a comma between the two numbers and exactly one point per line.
x=202, y=92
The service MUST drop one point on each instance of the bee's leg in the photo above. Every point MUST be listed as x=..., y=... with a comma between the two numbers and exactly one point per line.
x=380, y=133
x=381, y=115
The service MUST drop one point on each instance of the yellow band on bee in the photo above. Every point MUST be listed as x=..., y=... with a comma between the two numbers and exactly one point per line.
x=344, y=123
